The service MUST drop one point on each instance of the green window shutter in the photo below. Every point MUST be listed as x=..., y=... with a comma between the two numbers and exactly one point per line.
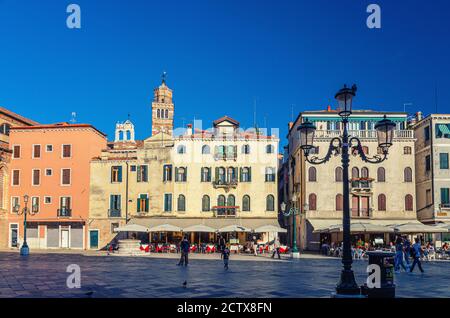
x=249, y=174
x=120, y=173
x=119, y=202
x=217, y=173
x=445, y=196
x=176, y=175
x=139, y=205
x=240, y=174
x=146, y=205
x=185, y=174
x=111, y=202
x=443, y=160
x=139, y=173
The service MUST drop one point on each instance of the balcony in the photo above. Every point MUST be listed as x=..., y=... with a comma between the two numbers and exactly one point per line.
x=225, y=211
x=364, y=134
x=361, y=184
x=114, y=213
x=225, y=156
x=444, y=206
x=225, y=184
x=64, y=212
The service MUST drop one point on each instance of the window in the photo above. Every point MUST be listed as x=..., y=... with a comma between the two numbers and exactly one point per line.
x=407, y=150
x=245, y=203
x=408, y=202
x=166, y=113
x=142, y=203
x=231, y=200
x=269, y=149
x=64, y=207
x=232, y=174
x=158, y=113
x=407, y=174
x=133, y=168
x=115, y=205
x=427, y=163
x=47, y=200
x=339, y=202
x=167, y=202
x=246, y=174
x=48, y=172
x=270, y=174
x=443, y=160
x=220, y=174
x=206, y=203
x=36, y=177
x=142, y=173
x=4, y=129
x=35, y=204
x=65, y=180
x=246, y=149
x=116, y=174
x=181, y=205
x=181, y=174
x=338, y=174
x=380, y=151
x=16, y=177
x=442, y=130
x=445, y=200
x=16, y=151
x=426, y=133
x=270, y=203
x=312, y=201
x=36, y=151
x=167, y=173
x=381, y=174
x=205, y=174
x=49, y=148
x=312, y=174
x=181, y=149
x=364, y=173
x=15, y=204
x=355, y=173
x=221, y=200
x=66, y=151
x=428, y=197
x=381, y=202
x=314, y=150
x=206, y=150
x=365, y=150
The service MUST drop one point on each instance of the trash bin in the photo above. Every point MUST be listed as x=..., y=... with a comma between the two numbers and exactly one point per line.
x=385, y=260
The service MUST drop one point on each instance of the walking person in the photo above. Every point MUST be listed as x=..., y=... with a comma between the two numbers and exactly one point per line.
x=407, y=249
x=225, y=256
x=399, y=255
x=222, y=243
x=254, y=246
x=417, y=253
x=184, y=247
x=276, y=248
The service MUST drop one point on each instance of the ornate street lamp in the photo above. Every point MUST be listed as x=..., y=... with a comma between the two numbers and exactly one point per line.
x=294, y=211
x=25, y=250
x=341, y=145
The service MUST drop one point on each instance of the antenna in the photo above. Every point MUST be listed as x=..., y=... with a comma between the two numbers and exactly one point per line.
x=292, y=112
x=406, y=104
x=436, y=97
x=254, y=113
x=73, y=120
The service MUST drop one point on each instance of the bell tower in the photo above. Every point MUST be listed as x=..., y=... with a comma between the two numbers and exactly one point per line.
x=162, y=108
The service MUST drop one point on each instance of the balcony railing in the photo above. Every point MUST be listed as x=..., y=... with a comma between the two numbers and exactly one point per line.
x=362, y=213
x=225, y=211
x=114, y=213
x=361, y=184
x=219, y=183
x=64, y=212
x=225, y=156
x=368, y=134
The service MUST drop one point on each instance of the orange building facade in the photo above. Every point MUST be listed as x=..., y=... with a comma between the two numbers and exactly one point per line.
x=50, y=165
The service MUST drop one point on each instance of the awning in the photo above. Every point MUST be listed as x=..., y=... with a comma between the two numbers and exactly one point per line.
x=418, y=228
x=235, y=228
x=444, y=129
x=165, y=228
x=131, y=228
x=326, y=225
x=199, y=228
x=269, y=228
x=359, y=227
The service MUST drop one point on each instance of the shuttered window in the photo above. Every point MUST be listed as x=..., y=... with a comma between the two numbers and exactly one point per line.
x=36, y=151
x=66, y=151
x=116, y=174
x=16, y=177
x=66, y=180
x=408, y=202
x=36, y=177
x=16, y=152
x=381, y=202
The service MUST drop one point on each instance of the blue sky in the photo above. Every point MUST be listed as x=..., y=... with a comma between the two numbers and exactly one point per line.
x=220, y=56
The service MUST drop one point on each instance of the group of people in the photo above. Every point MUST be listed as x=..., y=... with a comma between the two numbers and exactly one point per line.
x=404, y=250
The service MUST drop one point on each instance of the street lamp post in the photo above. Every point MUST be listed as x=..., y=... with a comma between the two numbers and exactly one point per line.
x=25, y=250
x=341, y=145
x=294, y=212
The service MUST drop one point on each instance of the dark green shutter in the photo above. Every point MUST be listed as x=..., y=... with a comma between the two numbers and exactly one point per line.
x=249, y=174
x=120, y=173
x=240, y=174
x=217, y=173
x=185, y=174
x=176, y=175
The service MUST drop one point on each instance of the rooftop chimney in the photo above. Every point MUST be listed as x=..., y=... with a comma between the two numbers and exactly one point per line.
x=419, y=116
x=329, y=108
x=189, y=130
x=290, y=124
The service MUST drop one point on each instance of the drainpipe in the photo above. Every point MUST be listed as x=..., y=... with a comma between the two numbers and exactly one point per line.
x=126, y=191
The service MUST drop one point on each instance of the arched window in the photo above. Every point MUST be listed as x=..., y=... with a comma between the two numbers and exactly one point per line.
x=338, y=174
x=270, y=203
x=269, y=149
x=205, y=203
x=312, y=201
x=408, y=174
x=2, y=183
x=312, y=174
x=206, y=174
x=246, y=149
x=221, y=175
x=158, y=114
x=245, y=174
x=221, y=200
x=206, y=150
x=166, y=114
x=409, y=206
x=245, y=203
x=407, y=150
x=231, y=174
x=355, y=173
x=364, y=172
x=181, y=174
x=231, y=201
x=365, y=150
x=381, y=174
x=339, y=202
x=181, y=206
x=181, y=149
x=381, y=202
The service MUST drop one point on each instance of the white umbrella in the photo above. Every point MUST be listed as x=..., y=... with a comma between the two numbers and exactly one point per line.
x=270, y=228
x=199, y=228
x=235, y=228
x=131, y=228
x=165, y=228
x=417, y=228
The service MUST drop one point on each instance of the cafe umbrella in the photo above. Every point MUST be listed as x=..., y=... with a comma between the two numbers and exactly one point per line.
x=199, y=228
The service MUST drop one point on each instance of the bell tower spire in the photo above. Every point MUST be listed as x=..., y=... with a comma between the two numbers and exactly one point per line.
x=162, y=108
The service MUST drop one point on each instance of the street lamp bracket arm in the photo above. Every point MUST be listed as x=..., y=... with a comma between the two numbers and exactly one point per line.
x=358, y=147
x=333, y=149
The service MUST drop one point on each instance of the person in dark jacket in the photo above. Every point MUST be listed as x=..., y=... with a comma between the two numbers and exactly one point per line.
x=222, y=243
x=184, y=248
x=417, y=253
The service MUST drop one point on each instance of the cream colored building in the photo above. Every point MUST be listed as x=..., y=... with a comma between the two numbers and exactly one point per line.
x=432, y=153
x=216, y=177
x=382, y=193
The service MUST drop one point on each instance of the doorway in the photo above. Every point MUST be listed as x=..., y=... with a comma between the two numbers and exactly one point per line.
x=14, y=235
x=93, y=239
x=64, y=238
